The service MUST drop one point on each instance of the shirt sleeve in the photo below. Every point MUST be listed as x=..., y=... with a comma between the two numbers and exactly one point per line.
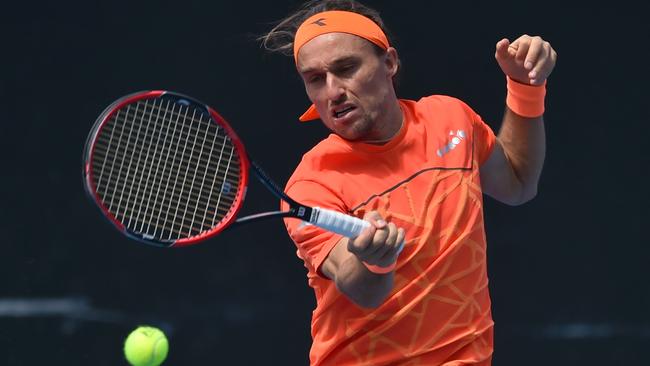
x=484, y=138
x=314, y=244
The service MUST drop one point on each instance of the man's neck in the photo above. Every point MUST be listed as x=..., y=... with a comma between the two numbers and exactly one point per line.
x=392, y=126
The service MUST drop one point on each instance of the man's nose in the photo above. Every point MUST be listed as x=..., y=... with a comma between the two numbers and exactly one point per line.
x=335, y=89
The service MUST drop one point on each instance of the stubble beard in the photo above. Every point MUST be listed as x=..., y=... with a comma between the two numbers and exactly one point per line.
x=361, y=130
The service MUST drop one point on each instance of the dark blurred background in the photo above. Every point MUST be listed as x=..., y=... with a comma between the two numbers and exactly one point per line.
x=569, y=270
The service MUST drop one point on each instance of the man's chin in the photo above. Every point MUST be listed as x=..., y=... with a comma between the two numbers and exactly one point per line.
x=354, y=136
x=352, y=130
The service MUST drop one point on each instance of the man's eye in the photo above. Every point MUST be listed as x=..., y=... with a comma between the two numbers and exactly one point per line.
x=315, y=78
x=346, y=69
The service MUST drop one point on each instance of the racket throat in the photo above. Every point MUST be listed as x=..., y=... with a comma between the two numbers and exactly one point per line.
x=300, y=212
x=304, y=213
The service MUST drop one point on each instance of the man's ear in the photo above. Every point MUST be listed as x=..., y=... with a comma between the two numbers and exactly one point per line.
x=392, y=61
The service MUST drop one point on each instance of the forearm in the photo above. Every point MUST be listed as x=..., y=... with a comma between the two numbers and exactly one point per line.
x=524, y=143
x=512, y=171
x=363, y=287
x=354, y=280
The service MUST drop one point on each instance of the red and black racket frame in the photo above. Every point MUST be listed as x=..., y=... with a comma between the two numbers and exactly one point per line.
x=230, y=220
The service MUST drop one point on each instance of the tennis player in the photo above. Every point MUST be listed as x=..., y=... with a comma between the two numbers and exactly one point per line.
x=413, y=288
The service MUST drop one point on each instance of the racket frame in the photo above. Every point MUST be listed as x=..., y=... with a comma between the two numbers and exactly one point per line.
x=91, y=188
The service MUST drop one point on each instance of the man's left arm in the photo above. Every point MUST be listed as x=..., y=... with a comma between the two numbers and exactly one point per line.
x=512, y=171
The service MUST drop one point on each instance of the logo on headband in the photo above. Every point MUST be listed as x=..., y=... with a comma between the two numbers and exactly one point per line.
x=319, y=21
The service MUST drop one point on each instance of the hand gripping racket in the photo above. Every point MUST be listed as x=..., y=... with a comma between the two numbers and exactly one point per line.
x=168, y=170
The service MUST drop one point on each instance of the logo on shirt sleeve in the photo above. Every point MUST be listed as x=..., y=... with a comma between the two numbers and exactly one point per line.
x=454, y=140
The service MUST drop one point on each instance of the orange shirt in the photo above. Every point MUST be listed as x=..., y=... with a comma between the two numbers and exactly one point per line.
x=425, y=180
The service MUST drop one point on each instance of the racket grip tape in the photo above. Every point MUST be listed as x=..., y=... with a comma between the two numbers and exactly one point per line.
x=337, y=222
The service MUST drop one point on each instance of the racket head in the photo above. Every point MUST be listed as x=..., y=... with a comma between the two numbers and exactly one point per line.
x=165, y=169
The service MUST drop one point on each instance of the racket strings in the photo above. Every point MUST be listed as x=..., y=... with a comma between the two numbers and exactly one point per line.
x=171, y=115
x=176, y=161
x=138, y=213
x=194, y=194
x=153, y=162
x=182, y=139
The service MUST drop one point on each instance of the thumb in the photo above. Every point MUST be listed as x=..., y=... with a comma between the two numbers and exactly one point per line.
x=375, y=219
x=362, y=241
x=503, y=49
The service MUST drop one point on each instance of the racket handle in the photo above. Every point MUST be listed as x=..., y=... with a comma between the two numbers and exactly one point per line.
x=337, y=222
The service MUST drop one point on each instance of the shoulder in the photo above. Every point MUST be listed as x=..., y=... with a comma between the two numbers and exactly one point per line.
x=321, y=159
x=442, y=104
x=441, y=112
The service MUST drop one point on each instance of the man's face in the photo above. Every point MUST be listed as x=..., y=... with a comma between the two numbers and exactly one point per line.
x=349, y=83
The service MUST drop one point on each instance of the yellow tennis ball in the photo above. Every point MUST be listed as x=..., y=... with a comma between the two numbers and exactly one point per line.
x=146, y=346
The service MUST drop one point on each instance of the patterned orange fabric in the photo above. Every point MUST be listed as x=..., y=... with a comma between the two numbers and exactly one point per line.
x=425, y=180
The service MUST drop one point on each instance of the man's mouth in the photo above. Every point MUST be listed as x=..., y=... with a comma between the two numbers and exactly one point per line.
x=343, y=112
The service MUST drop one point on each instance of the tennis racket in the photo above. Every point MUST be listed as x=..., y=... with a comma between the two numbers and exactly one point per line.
x=169, y=171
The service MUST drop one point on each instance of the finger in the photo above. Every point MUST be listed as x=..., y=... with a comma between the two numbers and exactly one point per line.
x=519, y=47
x=544, y=66
x=501, y=52
x=401, y=237
x=378, y=241
x=535, y=51
x=517, y=42
x=384, y=246
x=395, y=249
x=365, y=244
x=522, y=50
x=366, y=250
x=375, y=219
x=362, y=241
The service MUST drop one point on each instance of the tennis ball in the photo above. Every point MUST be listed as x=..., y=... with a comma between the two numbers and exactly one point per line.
x=146, y=346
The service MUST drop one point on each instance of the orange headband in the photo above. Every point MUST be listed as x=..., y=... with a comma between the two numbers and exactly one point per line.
x=336, y=21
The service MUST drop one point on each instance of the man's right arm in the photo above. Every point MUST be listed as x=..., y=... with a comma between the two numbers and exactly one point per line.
x=379, y=245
